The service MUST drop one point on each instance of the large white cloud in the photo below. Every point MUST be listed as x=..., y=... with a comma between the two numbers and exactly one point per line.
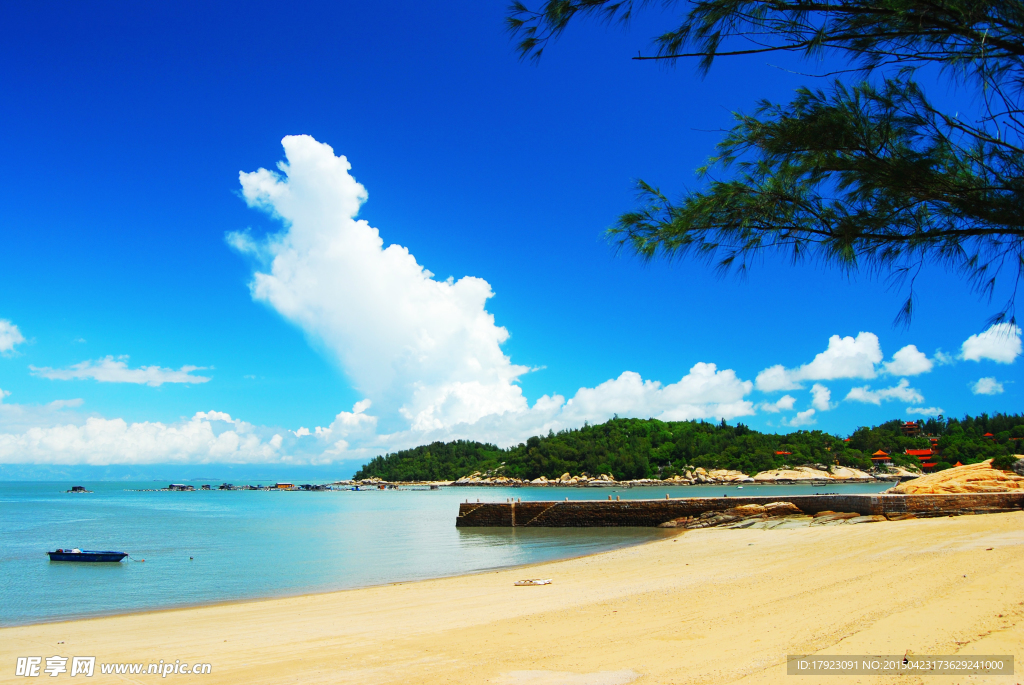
x=845, y=357
x=1000, y=343
x=207, y=437
x=9, y=336
x=987, y=386
x=901, y=391
x=705, y=392
x=419, y=348
x=110, y=370
x=908, y=361
x=424, y=347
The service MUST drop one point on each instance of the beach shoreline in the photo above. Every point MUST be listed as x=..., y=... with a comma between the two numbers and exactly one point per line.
x=706, y=606
x=665, y=534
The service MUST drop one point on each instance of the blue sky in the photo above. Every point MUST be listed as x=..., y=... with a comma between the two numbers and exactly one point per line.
x=126, y=128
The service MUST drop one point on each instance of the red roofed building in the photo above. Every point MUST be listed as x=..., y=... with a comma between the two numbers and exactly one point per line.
x=881, y=457
x=919, y=453
x=911, y=429
x=783, y=453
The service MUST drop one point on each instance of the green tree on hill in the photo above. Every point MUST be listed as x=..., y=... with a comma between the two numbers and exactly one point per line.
x=641, y=448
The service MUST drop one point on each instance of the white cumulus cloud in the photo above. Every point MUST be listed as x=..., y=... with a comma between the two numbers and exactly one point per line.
x=925, y=411
x=705, y=392
x=784, y=403
x=1000, y=343
x=820, y=396
x=845, y=357
x=702, y=393
x=901, y=391
x=9, y=337
x=207, y=437
x=110, y=370
x=802, y=418
x=987, y=386
x=425, y=347
x=426, y=352
x=909, y=361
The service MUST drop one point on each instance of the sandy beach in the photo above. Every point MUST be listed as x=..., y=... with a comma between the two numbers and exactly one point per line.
x=706, y=606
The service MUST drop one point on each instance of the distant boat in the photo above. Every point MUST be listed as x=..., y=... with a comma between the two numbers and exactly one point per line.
x=85, y=555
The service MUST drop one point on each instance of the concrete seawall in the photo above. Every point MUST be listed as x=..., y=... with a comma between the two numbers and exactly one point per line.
x=652, y=512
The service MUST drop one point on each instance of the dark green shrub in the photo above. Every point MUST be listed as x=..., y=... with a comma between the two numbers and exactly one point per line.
x=1004, y=462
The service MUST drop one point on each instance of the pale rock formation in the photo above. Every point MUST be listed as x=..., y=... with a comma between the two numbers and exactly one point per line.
x=781, y=509
x=727, y=476
x=798, y=473
x=847, y=473
x=962, y=479
x=746, y=510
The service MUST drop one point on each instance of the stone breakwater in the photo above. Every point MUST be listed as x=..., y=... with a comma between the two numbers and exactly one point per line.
x=653, y=513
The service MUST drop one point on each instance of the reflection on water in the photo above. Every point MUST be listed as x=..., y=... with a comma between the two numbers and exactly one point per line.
x=214, y=546
x=581, y=540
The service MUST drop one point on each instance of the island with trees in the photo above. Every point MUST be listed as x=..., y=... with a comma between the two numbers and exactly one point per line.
x=632, y=449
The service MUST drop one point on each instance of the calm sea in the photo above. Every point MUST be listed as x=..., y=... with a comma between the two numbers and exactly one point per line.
x=215, y=546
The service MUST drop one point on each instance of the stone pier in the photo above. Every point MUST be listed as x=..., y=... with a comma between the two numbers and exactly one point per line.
x=652, y=512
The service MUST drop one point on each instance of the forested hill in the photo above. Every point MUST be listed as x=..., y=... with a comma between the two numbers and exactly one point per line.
x=648, y=448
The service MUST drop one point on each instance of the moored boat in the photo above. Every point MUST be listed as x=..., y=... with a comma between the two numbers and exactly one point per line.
x=85, y=555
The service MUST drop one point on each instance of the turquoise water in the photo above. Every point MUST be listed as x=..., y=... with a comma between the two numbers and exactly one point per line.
x=214, y=546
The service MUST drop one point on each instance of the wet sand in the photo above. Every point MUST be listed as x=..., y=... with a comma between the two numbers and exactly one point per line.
x=707, y=606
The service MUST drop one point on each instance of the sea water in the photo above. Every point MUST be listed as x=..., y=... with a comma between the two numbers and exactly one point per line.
x=214, y=546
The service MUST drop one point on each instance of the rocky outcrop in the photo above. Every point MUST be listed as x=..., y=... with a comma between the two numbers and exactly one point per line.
x=849, y=474
x=799, y=473
x=769, y=516
x=899, y=472
x=963, y=479
x=727, y=476
x=696, y=476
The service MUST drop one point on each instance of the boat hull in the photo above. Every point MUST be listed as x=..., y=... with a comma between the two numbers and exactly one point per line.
x=86, y=555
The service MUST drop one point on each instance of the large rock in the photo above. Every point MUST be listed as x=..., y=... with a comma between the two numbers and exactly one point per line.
x=903, y=473
x=798, y=473
x=727, y=475
x=746, y=510
x=781, y=509
x=962, y=479
x=846, y=473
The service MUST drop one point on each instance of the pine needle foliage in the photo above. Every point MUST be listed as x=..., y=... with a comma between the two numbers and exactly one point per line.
x=864, y=175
